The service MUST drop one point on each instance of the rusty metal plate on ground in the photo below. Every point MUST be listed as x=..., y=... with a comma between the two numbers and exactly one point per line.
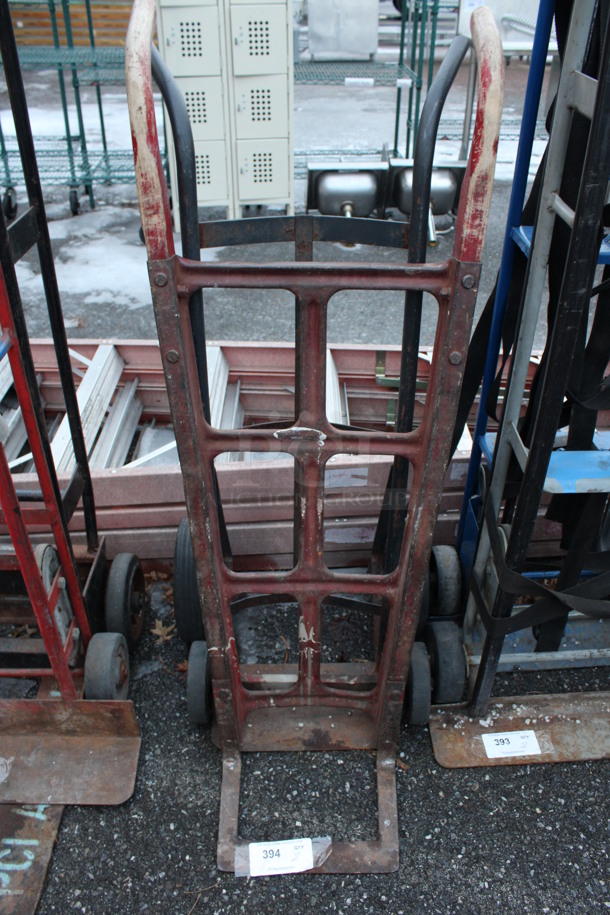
x=27, y=837
x=380, y=856
x=54, y=753
x=568, y=727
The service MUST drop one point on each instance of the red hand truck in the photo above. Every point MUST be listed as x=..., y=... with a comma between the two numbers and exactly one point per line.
x=57, y=748
x=317, y=706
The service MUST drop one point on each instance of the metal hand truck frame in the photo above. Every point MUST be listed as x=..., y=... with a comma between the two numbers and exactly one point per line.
x=322, y=708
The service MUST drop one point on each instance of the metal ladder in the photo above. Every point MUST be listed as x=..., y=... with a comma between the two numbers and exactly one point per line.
x=542, y=468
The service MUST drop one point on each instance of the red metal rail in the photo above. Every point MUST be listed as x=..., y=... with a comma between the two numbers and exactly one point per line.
x=66, y=577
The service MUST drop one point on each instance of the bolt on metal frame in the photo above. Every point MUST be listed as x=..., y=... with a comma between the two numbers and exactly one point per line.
x=319, y=709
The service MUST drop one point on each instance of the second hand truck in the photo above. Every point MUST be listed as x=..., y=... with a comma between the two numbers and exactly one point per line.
x=59, y=747
x=314, y=705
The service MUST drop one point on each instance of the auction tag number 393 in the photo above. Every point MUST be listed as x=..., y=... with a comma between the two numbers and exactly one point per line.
x=290, y=856
x=511, y=743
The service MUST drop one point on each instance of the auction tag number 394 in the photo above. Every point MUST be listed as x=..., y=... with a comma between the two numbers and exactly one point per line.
x=291, y=856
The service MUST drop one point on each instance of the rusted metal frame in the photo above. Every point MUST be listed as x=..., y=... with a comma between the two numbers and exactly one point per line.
x=303, y=251
x=206, y=526
x=278, y=229
x=473, y=211
x=374, y=857
x=345, y=675
x=31, y=673
x=228, y=684
x=192, y=275
x=286, y=439
x=455, y=317
x=310, y=412
x=180, y=365
x=326, y=581
x=314, y=417
x=19, y=355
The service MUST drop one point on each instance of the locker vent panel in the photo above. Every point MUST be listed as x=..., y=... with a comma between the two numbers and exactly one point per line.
x=191, y=39
x=262, y=167
x=196, y=106
x=202, y=168
x=258, y=38
x=260, y=104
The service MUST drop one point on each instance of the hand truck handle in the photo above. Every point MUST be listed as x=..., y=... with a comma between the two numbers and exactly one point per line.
x=150, y=178
x=475, y=196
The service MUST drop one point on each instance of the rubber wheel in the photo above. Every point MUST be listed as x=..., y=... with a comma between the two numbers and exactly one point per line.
x=107, y=667
x=419, y=684
x=199, y=701
x=125, y=598
x=74, y=202
x=445, y=581
x=447, y=661
x=47, y=560
x=9, y=203
x=187, y=608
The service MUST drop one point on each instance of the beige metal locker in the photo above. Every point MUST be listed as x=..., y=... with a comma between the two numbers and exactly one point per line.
x=232, y=60
x=211, y=172
x=261, y=107
x=191, y=40
x=204, y=102
x=262, y=170
x=259, y=39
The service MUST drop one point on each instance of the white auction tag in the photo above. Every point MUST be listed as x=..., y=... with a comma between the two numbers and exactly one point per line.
x=290, y=856
x=511, y=743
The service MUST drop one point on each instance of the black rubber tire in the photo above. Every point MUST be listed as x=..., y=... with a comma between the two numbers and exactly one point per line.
x=47, y=560
x=74, y=201
x=445, y=581
x=187, y=608
x=419, y=687
x=125, y=598
x=9, y=203
x=447, y=661
x=107, y=667
x=199, y=699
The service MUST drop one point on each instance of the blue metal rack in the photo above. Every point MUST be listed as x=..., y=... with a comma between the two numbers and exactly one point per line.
x=493, y=555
